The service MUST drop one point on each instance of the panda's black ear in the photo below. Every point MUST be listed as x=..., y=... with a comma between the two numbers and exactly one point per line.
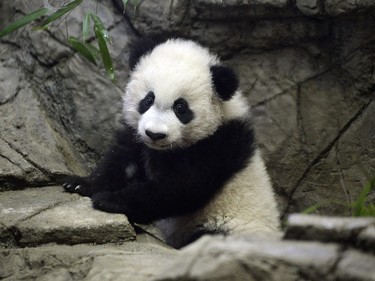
x=224, y=80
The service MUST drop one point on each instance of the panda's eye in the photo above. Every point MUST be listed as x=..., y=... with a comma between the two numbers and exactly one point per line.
x=180, y=108
x=146, y=103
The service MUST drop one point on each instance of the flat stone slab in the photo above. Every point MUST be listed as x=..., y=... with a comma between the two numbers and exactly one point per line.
x=19, y=205
x=359, y=232
x=38, y=216
x=129, y=261
x=258, y=258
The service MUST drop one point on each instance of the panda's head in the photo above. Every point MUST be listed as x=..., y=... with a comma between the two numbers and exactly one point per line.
x=176, y=93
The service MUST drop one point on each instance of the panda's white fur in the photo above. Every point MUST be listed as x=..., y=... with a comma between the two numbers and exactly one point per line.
x=173, y=69
x=244, y=202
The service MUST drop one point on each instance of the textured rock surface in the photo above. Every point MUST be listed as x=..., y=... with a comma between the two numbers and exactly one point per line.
x=229, y=26
x=310, y=81
x=332, y=253
x=257, y=259
x=241, y=259
x=269, y=258
x=43, y=215
x=307, y=67
x=57, y=110
x=131, y=261
x=359, y=232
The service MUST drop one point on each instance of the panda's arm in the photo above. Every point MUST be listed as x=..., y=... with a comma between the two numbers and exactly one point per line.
x=190, y=184
x=144, y=202
x=118, y=166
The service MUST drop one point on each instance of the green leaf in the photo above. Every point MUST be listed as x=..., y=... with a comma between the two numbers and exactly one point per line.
x=102, y=36
x=368, y=210
x=98, y=24
x=85, y=49
x=102, y=42
x=311, y=209
x=371, y=210
x=86, y=26
x=62, y=11
x=23, y=21
x=359, y=204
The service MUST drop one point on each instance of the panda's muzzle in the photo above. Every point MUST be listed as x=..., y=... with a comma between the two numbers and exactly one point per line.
x=155, y=136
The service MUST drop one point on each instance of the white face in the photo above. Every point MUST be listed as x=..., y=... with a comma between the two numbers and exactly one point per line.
x=170, y=99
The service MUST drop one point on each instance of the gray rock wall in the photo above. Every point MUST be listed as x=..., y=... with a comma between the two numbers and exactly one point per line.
x=306, y=67
x=58, y=111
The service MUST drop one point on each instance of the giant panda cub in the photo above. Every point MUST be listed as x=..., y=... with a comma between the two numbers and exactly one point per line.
x=186, y=157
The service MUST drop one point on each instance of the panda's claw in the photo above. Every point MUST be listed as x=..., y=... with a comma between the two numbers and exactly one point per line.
x=76, y=184
x=68, y=187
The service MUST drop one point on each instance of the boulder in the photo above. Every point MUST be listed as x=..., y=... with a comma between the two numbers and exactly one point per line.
x=313, y=248
x=131, y=261
x=38, y=216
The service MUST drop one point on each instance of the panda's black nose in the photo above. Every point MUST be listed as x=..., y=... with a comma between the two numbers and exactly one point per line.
x=155, y=136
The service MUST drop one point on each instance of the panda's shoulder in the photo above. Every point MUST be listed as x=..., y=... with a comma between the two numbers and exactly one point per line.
x=234, y=142
x=232, y=132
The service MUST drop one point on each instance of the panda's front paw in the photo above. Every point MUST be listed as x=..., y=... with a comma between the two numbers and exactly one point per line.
x=76, y=184
x=108, y=202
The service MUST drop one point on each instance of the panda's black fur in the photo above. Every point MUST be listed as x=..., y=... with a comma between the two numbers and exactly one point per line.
x=149, y=184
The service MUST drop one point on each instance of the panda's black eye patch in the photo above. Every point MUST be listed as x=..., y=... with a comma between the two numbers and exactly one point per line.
x=146, y=103
x=182, y=111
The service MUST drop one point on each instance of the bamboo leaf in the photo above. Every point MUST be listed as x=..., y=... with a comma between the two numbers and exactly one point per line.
x=23, y=21
x=94, y=51
x=102, y=36
x=359, y=204
x=311, y=209
x=62, y=11
x=102, y=42
x=99, y=27
x=85, y=49
x=86, y=26
x=368, y=211
x=371, y=210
